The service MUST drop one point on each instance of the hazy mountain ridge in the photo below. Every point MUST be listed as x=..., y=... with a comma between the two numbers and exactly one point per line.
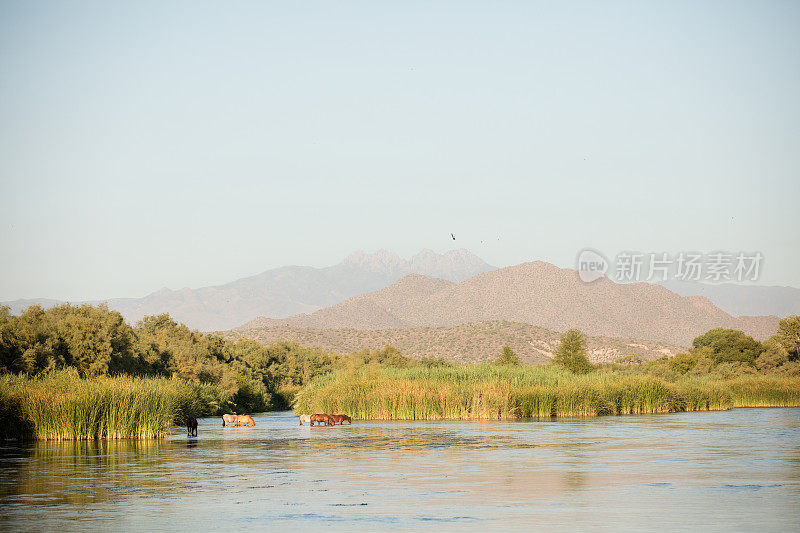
x=534, y=293
x=287, y=290
x=476, y=342
x=742, y=300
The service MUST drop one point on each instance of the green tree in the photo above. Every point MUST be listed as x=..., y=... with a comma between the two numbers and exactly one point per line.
x=683, y=362
x=9, y=345
x=789, y=336
x=93, y=340
x=507, y=357
x=729, y=345
x=775, y=355
x=96, y=341
x=571, y=352
x=703, y=361
x=33, y=346
x=389, y=356
x=433, y=362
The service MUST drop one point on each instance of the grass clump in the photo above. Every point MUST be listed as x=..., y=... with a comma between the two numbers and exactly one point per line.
x=503, y=392
x=64, y=406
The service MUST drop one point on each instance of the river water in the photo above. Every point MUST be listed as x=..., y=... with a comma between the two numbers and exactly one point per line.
x=717, y=471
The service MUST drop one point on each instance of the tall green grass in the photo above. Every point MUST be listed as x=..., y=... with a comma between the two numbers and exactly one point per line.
x=62, y=406
x=768, y=391
x=494, y=392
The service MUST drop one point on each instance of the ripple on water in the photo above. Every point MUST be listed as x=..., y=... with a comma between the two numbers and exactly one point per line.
x=422, y=475
x=748, y=487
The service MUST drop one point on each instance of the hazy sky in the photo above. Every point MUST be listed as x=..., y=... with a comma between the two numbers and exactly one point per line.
x=189, y=144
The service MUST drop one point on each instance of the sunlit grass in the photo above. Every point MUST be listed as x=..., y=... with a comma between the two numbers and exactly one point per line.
x=495, y=392
x=62, y=406
x=768, y=391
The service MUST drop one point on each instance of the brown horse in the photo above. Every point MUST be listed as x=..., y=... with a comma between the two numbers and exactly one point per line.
x=326, y=419
x=228, y=420
x=341, y=418
x=244, y=420
x=191, y=426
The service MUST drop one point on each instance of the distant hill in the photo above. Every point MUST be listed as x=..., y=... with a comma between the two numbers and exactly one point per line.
x=17, y=306
x=535, y=293
x=288, y=290
x=466, y=343
x=739, y=300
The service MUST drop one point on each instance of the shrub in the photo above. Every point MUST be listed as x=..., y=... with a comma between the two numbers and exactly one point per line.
x=507, y=357
x=571, y=352
x=729, y=345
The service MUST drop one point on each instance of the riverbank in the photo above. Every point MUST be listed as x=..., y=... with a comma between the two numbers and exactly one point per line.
x=489, y=392
x=63, y=406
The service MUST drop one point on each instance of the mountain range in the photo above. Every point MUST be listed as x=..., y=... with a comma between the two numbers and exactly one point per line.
x=742, y=299
x=286, y=291
x=382, y=291
x=536, y=293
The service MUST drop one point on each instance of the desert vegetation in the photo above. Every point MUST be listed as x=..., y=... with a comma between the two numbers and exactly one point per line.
x=82, y=372
x=77, y=372
x=473, y=342
x=724, y=369
x=491, y=392
x=61, y=405
x=93, y=342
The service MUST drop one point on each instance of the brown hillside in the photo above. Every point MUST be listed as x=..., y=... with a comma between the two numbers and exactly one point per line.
x=535, y=293
x=466, y=343
x=388, y=308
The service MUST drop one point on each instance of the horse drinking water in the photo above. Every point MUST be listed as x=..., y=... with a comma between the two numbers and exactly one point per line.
x=191, y=426
x=244, y=420
x=321, y=418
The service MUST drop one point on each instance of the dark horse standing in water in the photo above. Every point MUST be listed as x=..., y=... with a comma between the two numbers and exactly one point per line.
x=191, y=426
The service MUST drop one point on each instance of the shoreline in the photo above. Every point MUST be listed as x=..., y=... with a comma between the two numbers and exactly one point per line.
x=507, y=393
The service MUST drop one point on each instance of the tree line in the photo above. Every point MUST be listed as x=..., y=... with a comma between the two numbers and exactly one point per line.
x=96, y=341
x=721, y=351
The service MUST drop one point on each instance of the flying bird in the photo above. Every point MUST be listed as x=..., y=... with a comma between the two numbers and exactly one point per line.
x=453, y=236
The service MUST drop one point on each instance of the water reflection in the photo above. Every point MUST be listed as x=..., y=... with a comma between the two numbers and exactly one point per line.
x=73, y=473
x=625, y=472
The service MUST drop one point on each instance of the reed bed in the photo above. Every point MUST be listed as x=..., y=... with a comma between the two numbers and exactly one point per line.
x=492, y=392
x=765, y=392
x=62, y=406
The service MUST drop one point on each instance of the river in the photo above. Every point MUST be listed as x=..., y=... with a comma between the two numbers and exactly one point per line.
x=712, y=471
